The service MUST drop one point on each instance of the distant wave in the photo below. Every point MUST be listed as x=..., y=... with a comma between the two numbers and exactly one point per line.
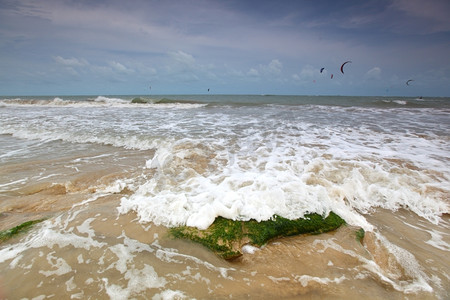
x=397, y=103
x=100, y=101
x=36, y=102
x=393, y=102
x=145, y=100
x=194, y=101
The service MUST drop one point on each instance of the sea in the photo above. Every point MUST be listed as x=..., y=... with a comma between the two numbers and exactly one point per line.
x=112, y=174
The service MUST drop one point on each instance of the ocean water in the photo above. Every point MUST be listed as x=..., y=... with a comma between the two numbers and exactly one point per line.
x=112, y=174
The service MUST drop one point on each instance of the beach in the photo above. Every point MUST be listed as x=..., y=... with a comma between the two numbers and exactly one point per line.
x=110, y=175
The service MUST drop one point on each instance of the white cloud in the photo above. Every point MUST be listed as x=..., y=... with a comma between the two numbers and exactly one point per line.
x=307, y=73
x=144, y=69
x=271, y=69
x=71, y=62
x=119, y=67
x=253, y=72
x=274, y=68
x=111, y=70
x=182, y=57
x=182, y=66
x=374, y=73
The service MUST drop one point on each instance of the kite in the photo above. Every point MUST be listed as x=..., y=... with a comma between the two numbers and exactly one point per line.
x=407, y=82
x=331, y=76
x=342, y=67
x=321, y=70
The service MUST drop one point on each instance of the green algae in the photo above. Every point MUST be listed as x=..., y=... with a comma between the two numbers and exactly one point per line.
x=226, y=237
x=221, y=237
x=360, y=235
x=9, y=233
x=260, y=232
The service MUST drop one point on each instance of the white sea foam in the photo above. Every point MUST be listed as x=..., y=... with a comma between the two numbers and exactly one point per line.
x=410, y=266
x=249, y=249
x=139, y=280
x=419, y=281
x=59, y=234
x=58, y=264
x=266, y=176
x=110, y=100
x=173, y=256
x=241, y=165
x=306, y=279
x=401, y=102
x=437, y=237
x=169, y=295
x=437, y=240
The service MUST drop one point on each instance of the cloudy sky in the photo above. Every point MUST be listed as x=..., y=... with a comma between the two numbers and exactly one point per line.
x=67, y=47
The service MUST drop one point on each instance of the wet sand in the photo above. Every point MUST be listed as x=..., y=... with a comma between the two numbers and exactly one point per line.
x=90, y=251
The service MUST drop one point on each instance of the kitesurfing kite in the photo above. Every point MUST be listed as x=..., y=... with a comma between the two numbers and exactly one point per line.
x=407, y=82
x=342, y=67
x=331, y=76
x=321, y=70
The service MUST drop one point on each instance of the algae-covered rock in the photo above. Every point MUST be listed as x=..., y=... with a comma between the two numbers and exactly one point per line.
x=226, y=237
x=7, y=234
x=360, y=235
x=223, y=236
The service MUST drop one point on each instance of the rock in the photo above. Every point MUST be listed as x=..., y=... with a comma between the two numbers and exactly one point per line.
x=227, y=237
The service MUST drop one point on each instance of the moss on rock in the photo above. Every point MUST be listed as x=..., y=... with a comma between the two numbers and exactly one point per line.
x=9, y=233
x=226, y=237
x=360, y=235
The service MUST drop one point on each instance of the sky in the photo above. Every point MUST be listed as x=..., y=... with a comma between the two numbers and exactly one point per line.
x=145, y=47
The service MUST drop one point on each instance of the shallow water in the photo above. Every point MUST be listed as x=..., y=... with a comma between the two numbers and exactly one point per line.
x=111, y=177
